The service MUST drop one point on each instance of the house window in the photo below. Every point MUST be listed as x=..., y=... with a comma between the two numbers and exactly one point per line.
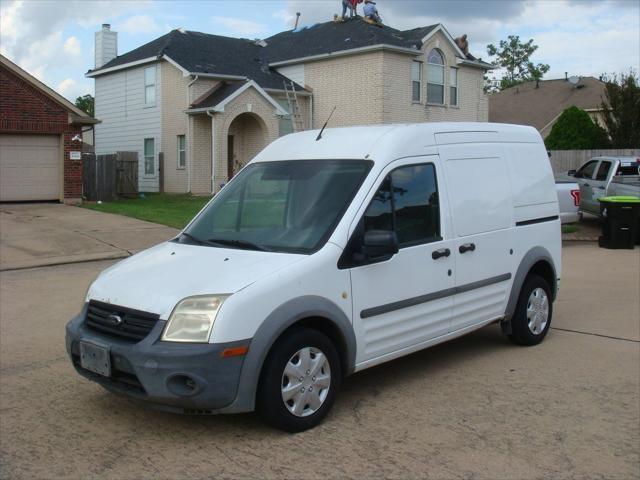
x=416, y=80
x=182, y=152
x=453, y=86
x=150, y=85
x=149, y=156
x=435, y=78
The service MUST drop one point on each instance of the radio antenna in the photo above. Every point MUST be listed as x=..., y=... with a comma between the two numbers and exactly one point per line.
x=325, y=124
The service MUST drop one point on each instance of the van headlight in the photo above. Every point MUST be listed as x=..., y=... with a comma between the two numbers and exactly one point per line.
x=192, y=319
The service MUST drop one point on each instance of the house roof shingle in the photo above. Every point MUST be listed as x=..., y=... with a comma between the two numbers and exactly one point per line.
x=214, y=54
x=205, y=53
x=527, y=105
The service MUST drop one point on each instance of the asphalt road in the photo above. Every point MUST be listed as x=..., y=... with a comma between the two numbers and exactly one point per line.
x=476, y=407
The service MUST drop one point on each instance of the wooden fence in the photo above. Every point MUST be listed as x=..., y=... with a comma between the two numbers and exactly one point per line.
x=563, y=160
x=108, y=177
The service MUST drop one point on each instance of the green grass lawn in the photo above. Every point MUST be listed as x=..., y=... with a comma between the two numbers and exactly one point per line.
x=171, y=210
x=569, y=228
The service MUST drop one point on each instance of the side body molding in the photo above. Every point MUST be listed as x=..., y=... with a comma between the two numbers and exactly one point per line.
x=272, y=327
x=532, y=257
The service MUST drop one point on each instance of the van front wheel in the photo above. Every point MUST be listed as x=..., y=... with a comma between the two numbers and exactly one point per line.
x=532, y=318
x=299, y=381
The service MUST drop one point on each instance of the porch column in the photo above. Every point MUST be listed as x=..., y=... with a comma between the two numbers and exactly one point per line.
x=213, y=151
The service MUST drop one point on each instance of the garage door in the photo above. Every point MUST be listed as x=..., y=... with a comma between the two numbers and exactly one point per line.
x=29, y=167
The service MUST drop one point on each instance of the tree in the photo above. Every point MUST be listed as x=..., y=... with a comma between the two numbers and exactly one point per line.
x=86, y=104
x=575, y=130
x=621, y=110
x=514, y=56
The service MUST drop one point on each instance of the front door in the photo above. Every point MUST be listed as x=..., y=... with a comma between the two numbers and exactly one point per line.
x=584, y=178
x=405, y=300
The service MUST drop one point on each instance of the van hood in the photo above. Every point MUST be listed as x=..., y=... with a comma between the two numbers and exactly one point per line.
x=156, y=279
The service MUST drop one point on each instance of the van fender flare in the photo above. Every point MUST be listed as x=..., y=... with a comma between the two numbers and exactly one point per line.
x=532, y=257
x=270, y=330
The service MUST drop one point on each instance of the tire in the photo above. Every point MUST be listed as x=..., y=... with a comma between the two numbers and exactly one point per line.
x=532, y=318
x=291, y=363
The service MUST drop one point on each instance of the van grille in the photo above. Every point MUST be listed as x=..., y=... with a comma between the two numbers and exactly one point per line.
x=134, y=325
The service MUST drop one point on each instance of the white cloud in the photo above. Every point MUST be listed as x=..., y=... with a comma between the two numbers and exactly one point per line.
x=285, y=16
x=71, y=89
x=31, y=32
x=72, y=46
x=139, y=24
x=240, y=26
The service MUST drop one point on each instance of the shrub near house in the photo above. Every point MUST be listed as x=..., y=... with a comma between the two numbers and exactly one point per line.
x=575, y=130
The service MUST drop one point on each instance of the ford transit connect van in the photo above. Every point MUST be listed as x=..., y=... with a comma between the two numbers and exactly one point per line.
x=324, y=256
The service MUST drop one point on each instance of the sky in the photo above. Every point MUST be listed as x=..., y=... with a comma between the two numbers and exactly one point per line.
x=54, y=39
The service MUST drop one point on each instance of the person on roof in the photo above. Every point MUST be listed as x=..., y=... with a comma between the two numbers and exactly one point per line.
x=348, y=4
x=371, y=12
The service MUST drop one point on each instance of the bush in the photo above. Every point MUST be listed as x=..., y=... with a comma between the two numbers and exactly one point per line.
x=575, y=130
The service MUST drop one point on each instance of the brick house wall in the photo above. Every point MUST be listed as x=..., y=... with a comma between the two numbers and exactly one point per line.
x=26, y=109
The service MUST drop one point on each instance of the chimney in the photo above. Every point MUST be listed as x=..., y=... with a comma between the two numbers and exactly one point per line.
x=106, y=45
x=566, y=76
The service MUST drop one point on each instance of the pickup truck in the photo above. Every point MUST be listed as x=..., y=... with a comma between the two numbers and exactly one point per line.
x=568, y=192
x=604, y=177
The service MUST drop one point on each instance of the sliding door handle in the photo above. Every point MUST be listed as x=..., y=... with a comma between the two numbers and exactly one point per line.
x=443, y=252
x=467, y=247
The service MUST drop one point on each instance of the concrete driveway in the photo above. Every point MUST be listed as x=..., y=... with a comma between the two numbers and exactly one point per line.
x=34, y=235
x=477, y=407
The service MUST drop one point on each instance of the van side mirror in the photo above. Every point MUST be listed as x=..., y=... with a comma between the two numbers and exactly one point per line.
x=572, y=173
x=380, y=243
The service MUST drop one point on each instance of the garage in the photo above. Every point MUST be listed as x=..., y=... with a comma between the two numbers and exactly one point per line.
x=29, y=167
x=41, y=140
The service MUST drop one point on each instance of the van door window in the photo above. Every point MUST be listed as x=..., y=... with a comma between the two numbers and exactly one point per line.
x=603, y=170
x=416, y=206
x=413, y=208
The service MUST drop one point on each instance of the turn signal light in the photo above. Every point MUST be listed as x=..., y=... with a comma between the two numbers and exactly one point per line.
x=235, y=351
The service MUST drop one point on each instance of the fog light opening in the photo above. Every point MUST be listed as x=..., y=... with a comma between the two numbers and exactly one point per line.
x=183, y=385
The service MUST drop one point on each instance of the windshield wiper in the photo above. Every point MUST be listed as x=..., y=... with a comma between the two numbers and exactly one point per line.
x=194, y=239
x=242, y=244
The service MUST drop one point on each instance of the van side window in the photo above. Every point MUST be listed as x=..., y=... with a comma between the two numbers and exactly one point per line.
x=412, y=211
x=603, y=170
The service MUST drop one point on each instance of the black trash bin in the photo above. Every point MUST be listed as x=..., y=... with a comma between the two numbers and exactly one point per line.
x=621, y=226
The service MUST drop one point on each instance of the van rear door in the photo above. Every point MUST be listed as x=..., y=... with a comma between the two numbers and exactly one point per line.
x=481, y=208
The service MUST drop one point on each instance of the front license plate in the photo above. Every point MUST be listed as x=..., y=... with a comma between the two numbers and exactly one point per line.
x=95, y=358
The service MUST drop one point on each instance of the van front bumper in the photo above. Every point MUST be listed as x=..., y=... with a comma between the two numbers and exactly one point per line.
x=180, y=377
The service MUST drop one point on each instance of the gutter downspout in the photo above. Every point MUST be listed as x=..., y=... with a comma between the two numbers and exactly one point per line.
x=189, y=149
x=213, y=150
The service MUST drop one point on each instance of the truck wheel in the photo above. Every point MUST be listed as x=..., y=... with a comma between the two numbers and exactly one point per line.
x=532, y=318
x=299, y=381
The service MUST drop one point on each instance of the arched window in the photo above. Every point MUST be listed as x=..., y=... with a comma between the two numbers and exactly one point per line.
x=435, y=77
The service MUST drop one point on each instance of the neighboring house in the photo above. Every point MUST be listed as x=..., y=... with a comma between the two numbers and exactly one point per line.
x=40, y=139
x=209, y=103
x=540, y=105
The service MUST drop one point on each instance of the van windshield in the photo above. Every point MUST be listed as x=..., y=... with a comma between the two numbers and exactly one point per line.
x=287, y=206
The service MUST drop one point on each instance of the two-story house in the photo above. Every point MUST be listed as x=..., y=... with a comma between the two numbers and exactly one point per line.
x=209, y=103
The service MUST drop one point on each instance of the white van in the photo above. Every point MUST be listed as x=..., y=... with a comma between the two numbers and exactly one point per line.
x=325, y=256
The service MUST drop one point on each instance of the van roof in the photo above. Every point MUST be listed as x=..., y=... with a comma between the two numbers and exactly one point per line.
x=385, y=143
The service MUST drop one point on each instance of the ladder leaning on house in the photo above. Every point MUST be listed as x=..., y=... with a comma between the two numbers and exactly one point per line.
x=294, y=106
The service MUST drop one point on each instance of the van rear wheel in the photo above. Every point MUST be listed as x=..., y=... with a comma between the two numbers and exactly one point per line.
x=299, y=381
x=532, y=318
